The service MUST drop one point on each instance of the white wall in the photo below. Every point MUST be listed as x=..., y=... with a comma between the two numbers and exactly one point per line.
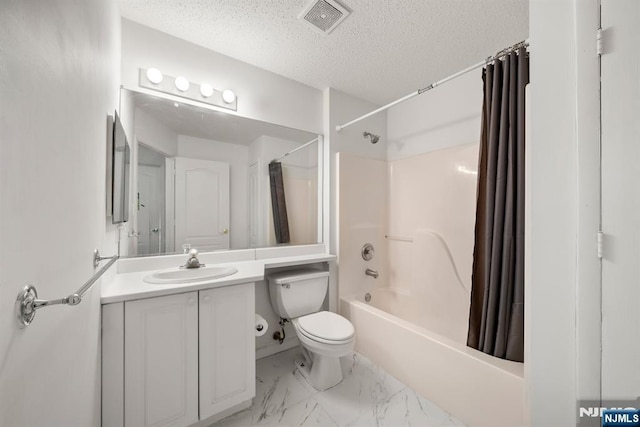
x=236, y=156
x=339, y=109
x=562, y=211
x=60, y=66
x=155, y=134
x=445, y=116
x=262, y=95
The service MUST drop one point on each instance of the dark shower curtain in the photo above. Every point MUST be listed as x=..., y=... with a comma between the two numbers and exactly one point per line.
x=278, y=203
x=496, y=318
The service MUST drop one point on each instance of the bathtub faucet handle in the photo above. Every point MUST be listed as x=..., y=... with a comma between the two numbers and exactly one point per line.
x=367, y=252
x=372, y=273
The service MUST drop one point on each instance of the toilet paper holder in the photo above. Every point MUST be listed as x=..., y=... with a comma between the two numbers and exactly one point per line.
x=260, y=325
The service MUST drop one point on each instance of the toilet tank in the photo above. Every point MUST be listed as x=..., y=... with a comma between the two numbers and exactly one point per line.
x=295, y=293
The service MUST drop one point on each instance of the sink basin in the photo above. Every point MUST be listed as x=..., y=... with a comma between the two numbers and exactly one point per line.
x=188, y=275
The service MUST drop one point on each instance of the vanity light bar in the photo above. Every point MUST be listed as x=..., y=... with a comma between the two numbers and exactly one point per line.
x=180, y=86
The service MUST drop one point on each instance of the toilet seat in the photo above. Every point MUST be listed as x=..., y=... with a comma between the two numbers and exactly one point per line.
x=325, y=327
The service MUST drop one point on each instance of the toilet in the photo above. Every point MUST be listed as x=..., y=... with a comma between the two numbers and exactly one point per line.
x=325, y=337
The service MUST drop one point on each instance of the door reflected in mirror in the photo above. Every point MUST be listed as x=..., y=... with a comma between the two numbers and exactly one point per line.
x=151, y=201
x=202, y=179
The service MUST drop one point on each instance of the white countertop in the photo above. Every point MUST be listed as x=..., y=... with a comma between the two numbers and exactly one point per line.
x=130, y=286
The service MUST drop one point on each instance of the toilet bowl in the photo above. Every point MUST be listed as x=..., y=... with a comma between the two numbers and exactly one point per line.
x=325, y=337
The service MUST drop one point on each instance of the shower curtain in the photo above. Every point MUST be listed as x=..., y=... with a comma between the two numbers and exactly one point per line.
x=278, y=203
x=496, y=318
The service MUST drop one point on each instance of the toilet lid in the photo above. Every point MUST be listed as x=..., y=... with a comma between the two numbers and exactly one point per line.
x=326, y=325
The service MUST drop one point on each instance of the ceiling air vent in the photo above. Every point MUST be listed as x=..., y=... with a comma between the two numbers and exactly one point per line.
x=324, y=15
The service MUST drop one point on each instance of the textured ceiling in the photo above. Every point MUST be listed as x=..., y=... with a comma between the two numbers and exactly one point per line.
x=384, y=50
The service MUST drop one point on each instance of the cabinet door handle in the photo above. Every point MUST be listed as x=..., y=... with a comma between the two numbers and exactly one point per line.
x=206, y=299
x=191, y=301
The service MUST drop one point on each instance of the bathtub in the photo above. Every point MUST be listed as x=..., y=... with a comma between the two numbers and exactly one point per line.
x=476, y=388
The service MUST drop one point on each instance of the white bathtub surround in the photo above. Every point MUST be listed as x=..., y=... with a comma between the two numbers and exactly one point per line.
x=367, y=396
x=429, y=292
x=433, y=192
x=362, y=194
x=481, y=390
x=424, y=282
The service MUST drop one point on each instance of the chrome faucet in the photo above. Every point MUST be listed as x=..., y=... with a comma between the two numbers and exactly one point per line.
x=372, y=273
x=193, y=261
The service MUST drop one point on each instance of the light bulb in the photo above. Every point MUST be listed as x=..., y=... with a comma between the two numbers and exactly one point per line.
x=182, y=84
x=206, y=90
x=154, y=75
x=228, y=96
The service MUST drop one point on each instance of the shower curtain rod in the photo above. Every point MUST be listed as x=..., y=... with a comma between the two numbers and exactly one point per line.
x=490, y=59
x=294, y=150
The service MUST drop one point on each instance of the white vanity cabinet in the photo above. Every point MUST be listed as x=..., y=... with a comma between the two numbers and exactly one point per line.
x=227, y=348
x=179, y=359
x=161, y=361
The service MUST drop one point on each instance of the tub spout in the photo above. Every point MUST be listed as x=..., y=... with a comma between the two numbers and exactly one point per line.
x=372, y=273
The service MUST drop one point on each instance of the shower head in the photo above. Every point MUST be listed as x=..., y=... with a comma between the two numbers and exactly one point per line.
x=372, y=137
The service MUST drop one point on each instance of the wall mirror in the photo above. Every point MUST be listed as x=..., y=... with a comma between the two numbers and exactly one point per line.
x=201, y=178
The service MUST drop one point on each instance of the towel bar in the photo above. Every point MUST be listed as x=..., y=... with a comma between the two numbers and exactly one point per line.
x=27, y=302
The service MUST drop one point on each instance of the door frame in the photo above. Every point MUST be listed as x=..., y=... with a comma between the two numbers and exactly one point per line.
x=589, y=208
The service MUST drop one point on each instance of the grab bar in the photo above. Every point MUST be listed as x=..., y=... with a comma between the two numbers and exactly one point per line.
x=399, y=239
x=27, y=302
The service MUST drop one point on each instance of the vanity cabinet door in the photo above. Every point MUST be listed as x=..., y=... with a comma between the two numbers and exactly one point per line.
x=227, y=348
x=161, y=361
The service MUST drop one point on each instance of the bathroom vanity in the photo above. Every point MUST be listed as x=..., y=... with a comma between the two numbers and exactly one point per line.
x=183, y=354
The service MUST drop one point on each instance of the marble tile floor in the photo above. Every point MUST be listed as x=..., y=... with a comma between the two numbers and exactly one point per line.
x=367, y=396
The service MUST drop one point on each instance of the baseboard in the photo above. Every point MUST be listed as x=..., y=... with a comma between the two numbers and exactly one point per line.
x=274, y=348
